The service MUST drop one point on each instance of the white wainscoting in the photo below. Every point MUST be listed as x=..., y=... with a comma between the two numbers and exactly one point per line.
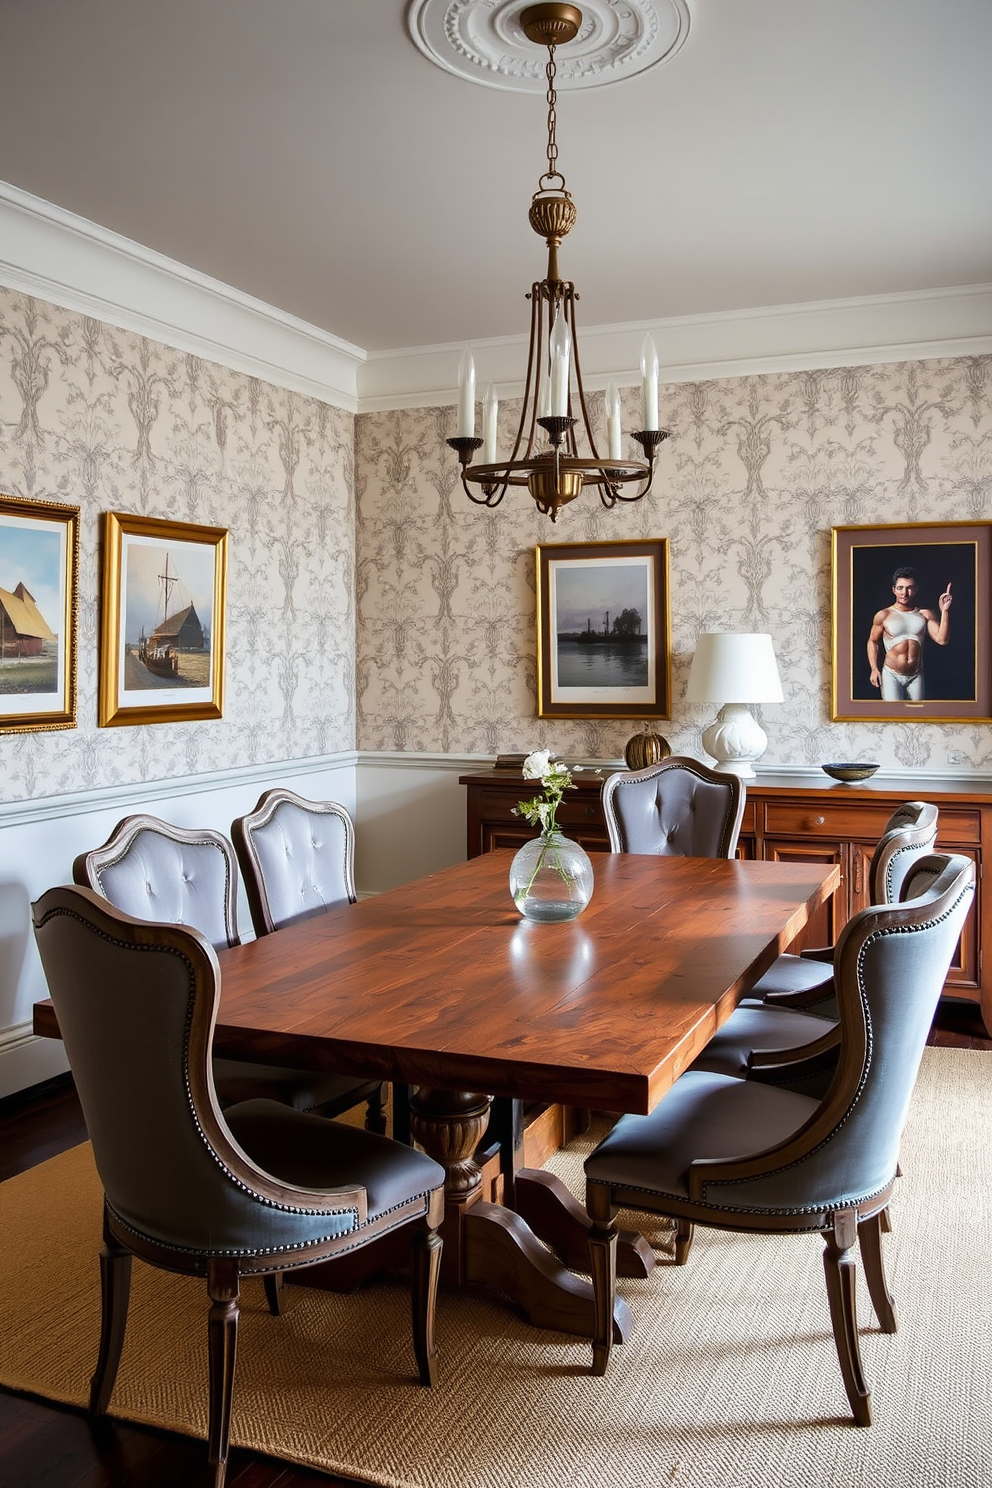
x=409, y=812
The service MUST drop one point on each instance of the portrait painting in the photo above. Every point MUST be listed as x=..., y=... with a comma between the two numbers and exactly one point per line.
x=39, y=560
x=162, y=637
x=911, y=619
x=602, y=630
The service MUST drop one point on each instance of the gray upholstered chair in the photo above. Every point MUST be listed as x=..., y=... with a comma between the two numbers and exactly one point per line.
x=255, y=1191
x=739, y=1155
x=676, y=808
x=776, y=1034
x=297, y=858
x=177, y=875
x=806, y=980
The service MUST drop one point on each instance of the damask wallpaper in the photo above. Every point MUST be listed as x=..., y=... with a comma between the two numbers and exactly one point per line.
x=371, y=605
x=110, y=421
x=757, y=471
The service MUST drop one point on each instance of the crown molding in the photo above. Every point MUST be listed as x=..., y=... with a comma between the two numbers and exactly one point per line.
x=57, y=256
x=49, y=252
x=692, y=348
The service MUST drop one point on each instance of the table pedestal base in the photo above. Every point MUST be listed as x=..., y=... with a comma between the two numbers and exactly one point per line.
x=489, y=1244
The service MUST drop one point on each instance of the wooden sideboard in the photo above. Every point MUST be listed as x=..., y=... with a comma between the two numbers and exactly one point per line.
x=809, y=821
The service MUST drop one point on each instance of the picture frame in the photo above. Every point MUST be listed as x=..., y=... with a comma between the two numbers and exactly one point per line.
x=617, y=595
x=918, y=676
x=39, y=608
x=162, y=621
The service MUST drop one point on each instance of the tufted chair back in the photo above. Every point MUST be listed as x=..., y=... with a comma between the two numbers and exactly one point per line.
x=174, y=875
x=297, y=858
x=909, y=835
x=676, y=808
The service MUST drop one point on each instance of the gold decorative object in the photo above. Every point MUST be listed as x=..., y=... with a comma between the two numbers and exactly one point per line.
x=645, y=748
x=554, y=400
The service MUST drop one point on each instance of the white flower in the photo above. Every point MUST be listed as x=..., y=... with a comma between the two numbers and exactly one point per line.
x=537, y=764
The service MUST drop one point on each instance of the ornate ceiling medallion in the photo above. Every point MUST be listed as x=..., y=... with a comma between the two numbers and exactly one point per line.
x=484, y=41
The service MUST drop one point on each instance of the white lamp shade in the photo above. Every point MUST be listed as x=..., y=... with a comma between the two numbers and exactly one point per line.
x=733, y=668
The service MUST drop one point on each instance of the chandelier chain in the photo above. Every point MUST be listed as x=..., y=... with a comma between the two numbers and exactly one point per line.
x=552, y=173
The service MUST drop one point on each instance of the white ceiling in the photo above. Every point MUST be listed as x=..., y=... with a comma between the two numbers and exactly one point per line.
x=306, y=153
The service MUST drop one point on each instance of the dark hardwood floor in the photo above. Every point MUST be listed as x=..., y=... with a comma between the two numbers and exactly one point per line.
x=49, y=1446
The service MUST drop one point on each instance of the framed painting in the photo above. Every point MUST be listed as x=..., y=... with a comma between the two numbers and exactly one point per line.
x=162, y=621
x=39, y=586
x=603, y=640
x=912, y=608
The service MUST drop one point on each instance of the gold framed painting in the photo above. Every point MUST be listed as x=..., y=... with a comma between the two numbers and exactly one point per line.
x=910, y=638
x=603, y=640
x=39, y=586
x=162, y=621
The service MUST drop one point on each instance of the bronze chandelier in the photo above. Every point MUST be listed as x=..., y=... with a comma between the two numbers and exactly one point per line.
x=555, y=473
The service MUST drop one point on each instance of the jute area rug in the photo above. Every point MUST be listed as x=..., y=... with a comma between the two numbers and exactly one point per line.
x=730, y=1378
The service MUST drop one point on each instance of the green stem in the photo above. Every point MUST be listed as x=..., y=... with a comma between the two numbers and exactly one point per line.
x=555, y=863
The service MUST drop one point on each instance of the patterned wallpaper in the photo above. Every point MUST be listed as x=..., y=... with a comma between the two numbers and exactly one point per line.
x=758, y=470
x=106, y=420
x=442, y=592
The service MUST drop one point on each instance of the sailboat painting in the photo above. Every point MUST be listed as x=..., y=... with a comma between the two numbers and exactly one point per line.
x=164, y=595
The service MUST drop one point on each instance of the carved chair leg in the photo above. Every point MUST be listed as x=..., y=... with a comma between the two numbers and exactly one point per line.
x=684, y=1232
x=870, y=1236
x=375, y=1115
x=839, y=1270
x=115, y=1292
x=603, y=1270
x=885, y=1221
x=222, y=1334
x=426, y=1266
x=273, y=1284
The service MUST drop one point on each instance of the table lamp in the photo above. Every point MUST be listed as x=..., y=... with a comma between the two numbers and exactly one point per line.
x=734, y=670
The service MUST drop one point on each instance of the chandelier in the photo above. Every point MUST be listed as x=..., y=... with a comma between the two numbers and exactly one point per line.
x=545, y=456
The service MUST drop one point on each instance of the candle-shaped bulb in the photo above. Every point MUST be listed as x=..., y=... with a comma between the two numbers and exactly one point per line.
x=490, y=419
x=466, y=396
x=613, y=421
x=560, y=347
x=649, y=383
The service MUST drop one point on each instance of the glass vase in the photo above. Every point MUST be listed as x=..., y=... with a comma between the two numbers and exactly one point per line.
x=551, y=878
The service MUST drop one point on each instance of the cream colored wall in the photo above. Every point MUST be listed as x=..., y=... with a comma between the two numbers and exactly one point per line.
x=757, y=472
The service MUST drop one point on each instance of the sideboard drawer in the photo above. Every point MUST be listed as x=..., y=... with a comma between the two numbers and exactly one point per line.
x=826, y=819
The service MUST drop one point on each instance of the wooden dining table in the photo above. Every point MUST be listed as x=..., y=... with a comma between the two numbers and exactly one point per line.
x=440, y=985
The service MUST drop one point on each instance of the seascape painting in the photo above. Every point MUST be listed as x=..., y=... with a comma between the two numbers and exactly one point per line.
x=603, y=648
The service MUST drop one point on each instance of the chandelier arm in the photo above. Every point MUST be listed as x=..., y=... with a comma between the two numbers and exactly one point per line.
x=578, y=379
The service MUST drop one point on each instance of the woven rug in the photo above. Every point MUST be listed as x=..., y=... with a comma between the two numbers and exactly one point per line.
x=729, y=1380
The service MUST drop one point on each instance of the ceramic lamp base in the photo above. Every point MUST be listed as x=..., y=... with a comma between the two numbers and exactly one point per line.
x=735, y=740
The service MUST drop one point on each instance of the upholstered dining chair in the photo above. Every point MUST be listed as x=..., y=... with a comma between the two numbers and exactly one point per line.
x=255, y=1191
x=738, y=1155
x=801, y=1046
x=189, y=876
x=676, y=808
x=807, y=979
x=297, y=859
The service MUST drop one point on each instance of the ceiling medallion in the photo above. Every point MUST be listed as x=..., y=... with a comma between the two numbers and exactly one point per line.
x=485, y=41
x=546, y=457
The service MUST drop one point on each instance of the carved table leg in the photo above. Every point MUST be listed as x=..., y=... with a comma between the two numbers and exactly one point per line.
x=487, y=1243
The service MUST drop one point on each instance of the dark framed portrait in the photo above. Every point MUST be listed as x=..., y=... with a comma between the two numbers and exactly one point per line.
x=912, y=608
x=603, y=642
x=161, y=621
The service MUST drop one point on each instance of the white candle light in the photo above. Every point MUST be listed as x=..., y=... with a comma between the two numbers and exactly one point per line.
x=561, y=350
x=613, y=421
x=490, y=419
x=466, y=396
x=649, y=383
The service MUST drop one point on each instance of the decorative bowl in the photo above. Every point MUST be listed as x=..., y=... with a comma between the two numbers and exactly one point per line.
x=849, y=772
